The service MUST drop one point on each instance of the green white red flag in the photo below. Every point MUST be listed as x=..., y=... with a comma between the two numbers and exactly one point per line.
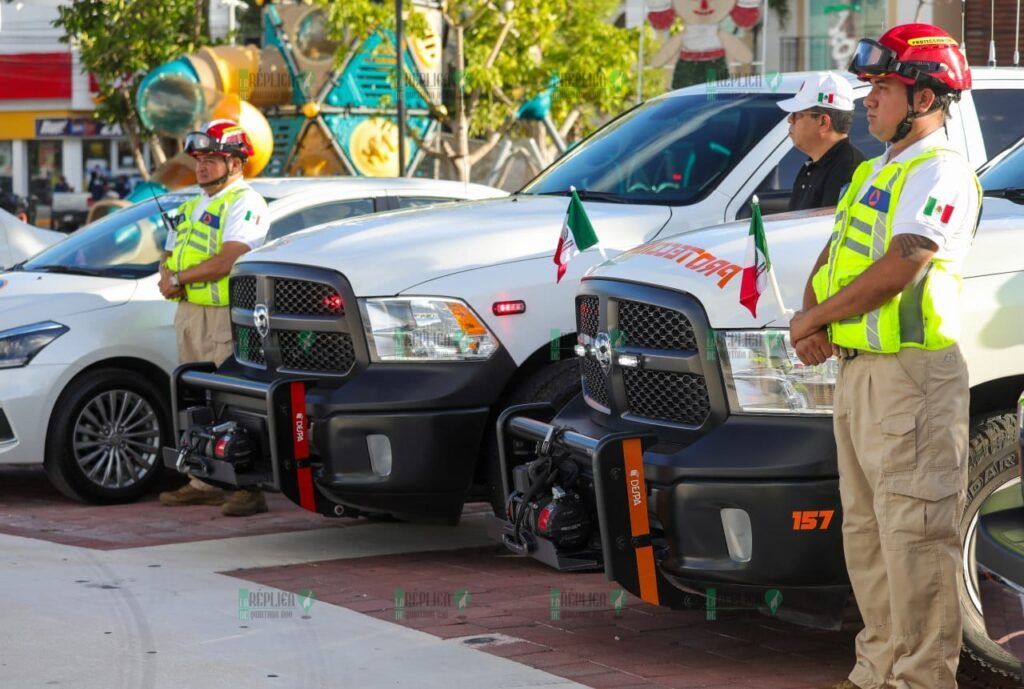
x=758, y=266
x=577, y=235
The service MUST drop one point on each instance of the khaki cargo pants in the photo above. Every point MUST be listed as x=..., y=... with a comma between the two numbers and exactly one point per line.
x=901, y=424
x=204, y=334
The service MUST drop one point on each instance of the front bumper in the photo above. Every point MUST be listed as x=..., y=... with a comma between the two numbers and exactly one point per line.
x=387, y=440
x=26, y=401
x=753, y=506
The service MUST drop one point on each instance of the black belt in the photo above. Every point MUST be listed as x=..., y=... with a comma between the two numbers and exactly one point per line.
x=847, y=353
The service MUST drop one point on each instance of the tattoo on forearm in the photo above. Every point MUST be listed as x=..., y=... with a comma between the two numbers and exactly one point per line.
x=910, y=244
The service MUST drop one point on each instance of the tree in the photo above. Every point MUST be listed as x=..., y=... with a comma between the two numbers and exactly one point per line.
x=119, y=42
x=501, y=55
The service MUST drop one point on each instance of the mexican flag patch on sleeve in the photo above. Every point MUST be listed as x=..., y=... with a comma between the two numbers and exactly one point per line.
x=937, y=211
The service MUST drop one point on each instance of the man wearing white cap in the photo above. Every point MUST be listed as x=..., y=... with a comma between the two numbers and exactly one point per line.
x=820, y=115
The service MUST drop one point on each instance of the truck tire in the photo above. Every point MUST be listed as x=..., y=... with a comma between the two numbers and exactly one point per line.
x=556, y=383
x=992, y=465
x=105, y=437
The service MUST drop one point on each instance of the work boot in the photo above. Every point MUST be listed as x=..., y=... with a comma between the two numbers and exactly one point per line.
x=244, y=503
x=845, y=684
x=190, y=495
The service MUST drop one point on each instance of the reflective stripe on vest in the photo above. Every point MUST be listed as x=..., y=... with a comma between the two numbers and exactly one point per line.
x=926, y=313
x=198, y=242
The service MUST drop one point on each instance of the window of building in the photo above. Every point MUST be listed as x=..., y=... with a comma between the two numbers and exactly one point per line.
x=45, y=163
x=6, y=168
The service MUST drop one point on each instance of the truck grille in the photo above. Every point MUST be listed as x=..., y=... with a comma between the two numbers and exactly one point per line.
x=667, y=396
x=305, y=297
x=248, y=347
x=243, y=292
x=664, y=331
x=655, y=327
x=587, y=315
x=595, y=385
x=309, y=329
x=316, y=351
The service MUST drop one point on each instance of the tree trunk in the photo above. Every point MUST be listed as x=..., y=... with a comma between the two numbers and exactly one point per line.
x=462, y=162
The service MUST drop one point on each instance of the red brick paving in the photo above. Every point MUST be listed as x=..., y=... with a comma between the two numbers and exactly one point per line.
x=31, y=507
x=645, y=646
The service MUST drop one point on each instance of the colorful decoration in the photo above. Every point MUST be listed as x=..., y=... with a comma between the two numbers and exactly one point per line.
x=705, y=48
x=305, y=116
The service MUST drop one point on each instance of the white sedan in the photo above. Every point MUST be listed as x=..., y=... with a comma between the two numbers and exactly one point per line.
x=87, y=342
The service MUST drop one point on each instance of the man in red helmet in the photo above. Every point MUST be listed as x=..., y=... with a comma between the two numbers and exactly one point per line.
x=216, y=227
x=884, y=296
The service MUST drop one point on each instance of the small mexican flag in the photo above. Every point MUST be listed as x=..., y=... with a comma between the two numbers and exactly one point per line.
x=934, y=209
x=826, y=97
x=758, y=266
x=577, y=234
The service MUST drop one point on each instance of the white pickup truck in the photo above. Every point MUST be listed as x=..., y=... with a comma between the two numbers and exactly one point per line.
x=373, y=356
x=700, y=455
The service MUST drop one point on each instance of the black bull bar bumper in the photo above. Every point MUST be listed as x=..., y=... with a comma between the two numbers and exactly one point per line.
x=274, y=416
x=620, y=492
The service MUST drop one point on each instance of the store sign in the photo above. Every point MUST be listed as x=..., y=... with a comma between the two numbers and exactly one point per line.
x=75, y=126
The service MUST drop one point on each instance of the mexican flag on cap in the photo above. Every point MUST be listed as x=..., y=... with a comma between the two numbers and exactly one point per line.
x=758, y=266
x=577, y=234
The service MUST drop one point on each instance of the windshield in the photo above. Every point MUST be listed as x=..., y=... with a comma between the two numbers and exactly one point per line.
x=1008, y=173
x=125, y=244
x=671, y=150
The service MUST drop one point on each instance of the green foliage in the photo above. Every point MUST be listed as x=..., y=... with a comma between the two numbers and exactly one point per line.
x=119, y=41
x=573, y=41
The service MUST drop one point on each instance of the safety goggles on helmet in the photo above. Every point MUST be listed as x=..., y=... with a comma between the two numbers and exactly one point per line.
x=871, y=58
x=198, y=143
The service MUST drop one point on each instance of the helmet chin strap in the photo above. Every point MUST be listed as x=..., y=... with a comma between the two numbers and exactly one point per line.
x=903, y=128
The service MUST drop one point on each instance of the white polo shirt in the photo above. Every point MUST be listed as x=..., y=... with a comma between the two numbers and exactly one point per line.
x=247, y=221
x=939, y=199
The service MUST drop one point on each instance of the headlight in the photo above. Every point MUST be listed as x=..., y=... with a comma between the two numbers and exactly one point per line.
x=764, y=375
x=19, y=345
x=424, y=329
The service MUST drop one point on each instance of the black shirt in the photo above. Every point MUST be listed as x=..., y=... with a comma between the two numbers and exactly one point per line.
x=817, y=185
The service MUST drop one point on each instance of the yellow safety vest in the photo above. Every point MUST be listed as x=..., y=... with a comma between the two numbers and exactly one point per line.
x=201, y=240
x=926, y=314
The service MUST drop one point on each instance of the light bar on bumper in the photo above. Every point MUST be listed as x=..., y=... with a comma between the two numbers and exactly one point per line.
x=424, y=329
x=763, y=375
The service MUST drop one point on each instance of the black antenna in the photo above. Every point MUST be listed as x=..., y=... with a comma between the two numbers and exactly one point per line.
x=992, y=36
x=1016, y=39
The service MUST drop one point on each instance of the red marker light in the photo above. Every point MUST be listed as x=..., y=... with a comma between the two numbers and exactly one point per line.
x=508, y=308
x=220, y=449
x=676, y=177
x=334, y=302
x=544, y=517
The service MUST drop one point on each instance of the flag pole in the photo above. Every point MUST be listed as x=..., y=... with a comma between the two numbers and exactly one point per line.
x=776, y=292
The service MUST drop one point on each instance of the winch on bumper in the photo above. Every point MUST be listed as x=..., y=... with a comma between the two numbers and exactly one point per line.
x=742, y=508
x=333, y=431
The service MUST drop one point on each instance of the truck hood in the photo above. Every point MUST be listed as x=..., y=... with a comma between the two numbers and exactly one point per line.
x=387, y=253
x=708, y=262
x=27, y=298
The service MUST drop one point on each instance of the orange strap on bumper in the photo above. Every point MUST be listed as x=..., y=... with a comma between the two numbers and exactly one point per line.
x=639, y=522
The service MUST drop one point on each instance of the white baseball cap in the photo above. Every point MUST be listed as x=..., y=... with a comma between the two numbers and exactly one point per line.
x=821, y=90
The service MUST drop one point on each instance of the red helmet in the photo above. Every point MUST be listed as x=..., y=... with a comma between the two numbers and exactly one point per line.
x=219, y=137
x=916, y=54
